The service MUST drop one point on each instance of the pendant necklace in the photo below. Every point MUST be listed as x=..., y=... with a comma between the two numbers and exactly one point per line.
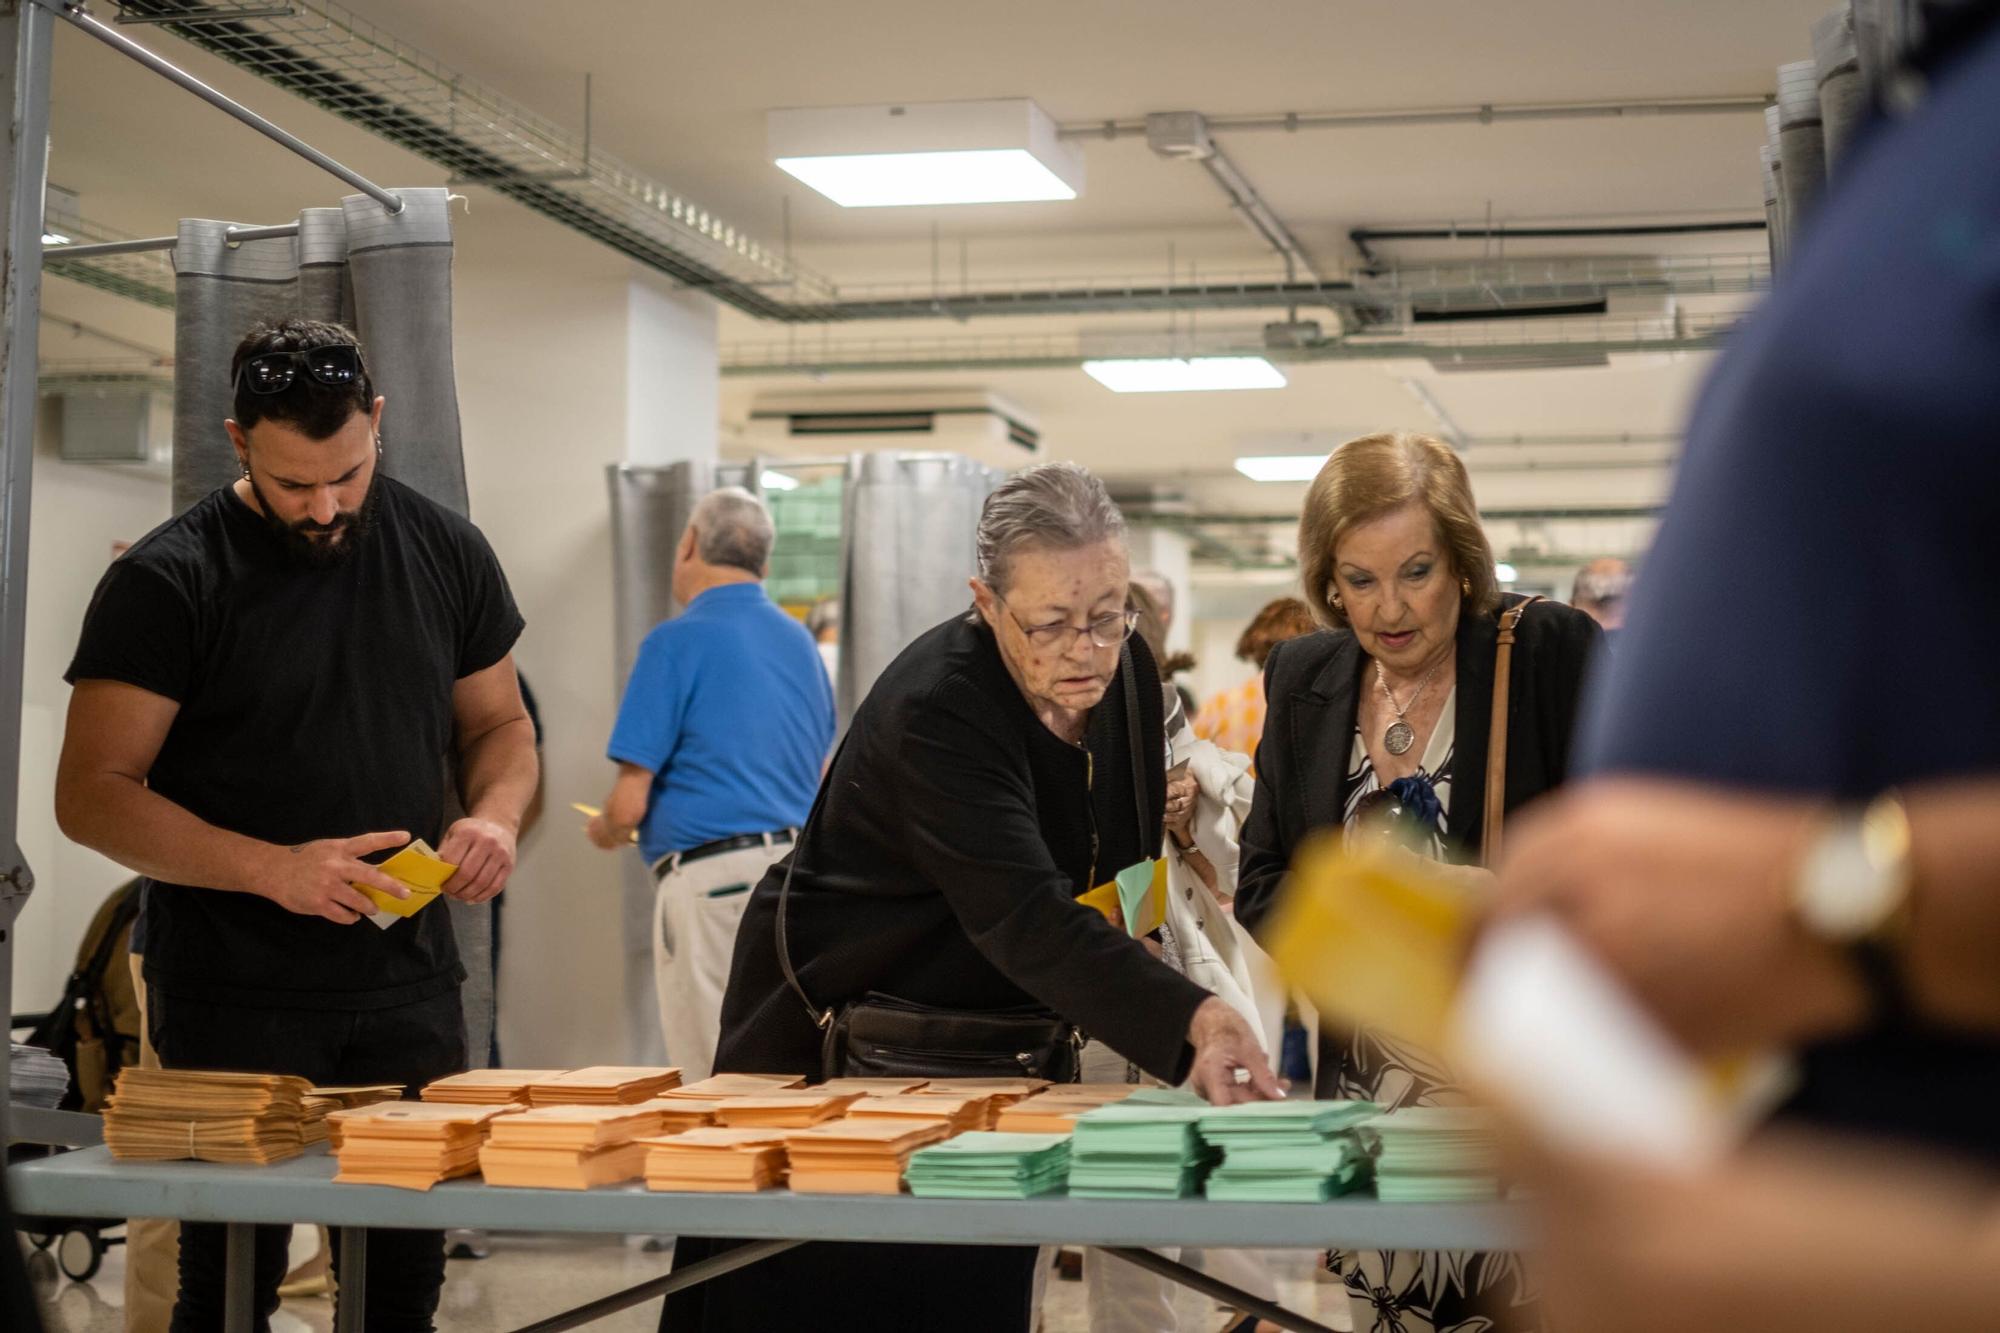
x=1400, y=736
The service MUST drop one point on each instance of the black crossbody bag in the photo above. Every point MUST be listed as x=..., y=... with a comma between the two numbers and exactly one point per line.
x=883, y=1036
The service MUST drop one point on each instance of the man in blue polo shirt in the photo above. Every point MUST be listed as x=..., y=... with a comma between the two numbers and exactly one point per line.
x=719, y=743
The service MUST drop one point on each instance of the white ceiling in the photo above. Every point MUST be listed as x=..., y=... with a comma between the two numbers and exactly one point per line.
x=681, y=91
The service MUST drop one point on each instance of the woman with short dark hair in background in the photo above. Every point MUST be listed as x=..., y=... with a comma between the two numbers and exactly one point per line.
x=1393, y=710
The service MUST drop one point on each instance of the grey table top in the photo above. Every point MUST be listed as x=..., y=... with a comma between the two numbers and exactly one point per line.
x=88, y=1183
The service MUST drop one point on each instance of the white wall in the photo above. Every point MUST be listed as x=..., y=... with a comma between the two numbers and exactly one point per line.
x=77, y=510
x=569, y=359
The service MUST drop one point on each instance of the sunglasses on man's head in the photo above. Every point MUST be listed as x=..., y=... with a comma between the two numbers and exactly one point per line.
x=336, y=366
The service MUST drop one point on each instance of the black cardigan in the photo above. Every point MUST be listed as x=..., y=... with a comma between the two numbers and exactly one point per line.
x=942, y=861
x=1311, y=687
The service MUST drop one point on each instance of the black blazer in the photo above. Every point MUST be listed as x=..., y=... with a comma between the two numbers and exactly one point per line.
x=1312, y=692
x=942, y=861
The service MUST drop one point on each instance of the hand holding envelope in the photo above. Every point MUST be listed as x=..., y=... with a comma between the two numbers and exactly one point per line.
x=419, y=871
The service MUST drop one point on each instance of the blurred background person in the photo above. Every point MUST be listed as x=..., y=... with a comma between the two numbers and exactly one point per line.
x=1600, y=591
x=1234, y=718
x=1790, y=846
x=823, y=623
x=1159, y=590
x=1398, y=700
x=985, y=783
x=726, y=721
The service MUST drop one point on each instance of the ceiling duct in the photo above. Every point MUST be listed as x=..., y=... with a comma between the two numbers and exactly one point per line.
x=352, y=69
x=971, y=422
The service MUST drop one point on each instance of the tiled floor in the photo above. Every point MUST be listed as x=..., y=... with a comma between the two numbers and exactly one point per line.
x=531, y=1277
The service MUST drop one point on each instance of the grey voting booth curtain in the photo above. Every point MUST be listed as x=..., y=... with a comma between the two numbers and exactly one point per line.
x=906, y=552
x=388, y=277
x=650, y=507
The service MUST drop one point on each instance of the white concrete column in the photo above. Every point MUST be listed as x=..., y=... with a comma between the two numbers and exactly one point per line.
x=1167, y=551
x=673, y=383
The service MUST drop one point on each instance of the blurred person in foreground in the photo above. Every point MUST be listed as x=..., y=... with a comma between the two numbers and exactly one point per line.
x=1791, y=844
x=1600, y=592
x=1234, y=718
x=986, y=782
x=1392, y=711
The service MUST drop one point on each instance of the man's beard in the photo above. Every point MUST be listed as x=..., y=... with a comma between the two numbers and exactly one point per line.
x=314, y=544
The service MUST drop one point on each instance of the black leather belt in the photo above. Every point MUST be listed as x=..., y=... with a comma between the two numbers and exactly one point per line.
x=675, y=860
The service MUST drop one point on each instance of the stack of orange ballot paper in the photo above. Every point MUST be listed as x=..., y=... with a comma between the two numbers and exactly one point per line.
x=411, y=1144
x=568, y=1147
x=737, y=1085
x=717, y=1160
x=604, y=1085
x=322, y=1102
x=785, y=1109
x=858, y=1156
x=162, y=1115
x=961, y=1115
x=488, y=1087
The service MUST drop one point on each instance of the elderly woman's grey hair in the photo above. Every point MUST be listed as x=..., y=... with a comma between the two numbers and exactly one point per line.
x=1048, y=507
x=733, y=528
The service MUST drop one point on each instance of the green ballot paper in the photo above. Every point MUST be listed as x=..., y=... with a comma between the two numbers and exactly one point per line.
x=989, y=1165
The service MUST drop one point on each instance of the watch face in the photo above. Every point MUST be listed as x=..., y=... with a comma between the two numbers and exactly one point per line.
x=1844, y=893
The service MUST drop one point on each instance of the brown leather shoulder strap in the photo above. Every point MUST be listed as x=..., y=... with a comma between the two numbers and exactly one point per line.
x=1496, y=741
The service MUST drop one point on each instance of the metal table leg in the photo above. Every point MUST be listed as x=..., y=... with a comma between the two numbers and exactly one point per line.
x=1221, y=1291
x=692, y=1276
x=350, y=1300
x=239, y=1274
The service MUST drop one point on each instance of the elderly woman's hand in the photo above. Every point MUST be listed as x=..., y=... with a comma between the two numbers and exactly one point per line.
x=1182, y=792
x=1229, y=1065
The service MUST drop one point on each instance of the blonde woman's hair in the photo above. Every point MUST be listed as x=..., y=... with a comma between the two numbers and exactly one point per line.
x=1379, y=474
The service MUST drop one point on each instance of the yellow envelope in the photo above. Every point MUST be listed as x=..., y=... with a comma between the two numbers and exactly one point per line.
x=418, y=869
x=1373, y=938
x=592, y=812
x=1139, y=891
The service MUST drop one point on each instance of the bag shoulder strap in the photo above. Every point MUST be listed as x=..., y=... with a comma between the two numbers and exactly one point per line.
x=821, y=1018
x=1133, y=729
x=1496, y=741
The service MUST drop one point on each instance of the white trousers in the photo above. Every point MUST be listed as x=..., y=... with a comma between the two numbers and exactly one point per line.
x=696, y=910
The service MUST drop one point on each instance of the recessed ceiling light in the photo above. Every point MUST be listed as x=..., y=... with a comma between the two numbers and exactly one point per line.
x=1281, y=467
x=1194, y=374
x=777, y=481
x=885, y=156
x=54, y=238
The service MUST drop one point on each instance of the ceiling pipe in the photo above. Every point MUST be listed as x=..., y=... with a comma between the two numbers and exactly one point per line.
x=1363, y=236
x=1484, y=113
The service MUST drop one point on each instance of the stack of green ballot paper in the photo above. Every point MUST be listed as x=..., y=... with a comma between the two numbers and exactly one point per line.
x=1287, y=1152
x=1436, y=1154
x=1139, y=1149
x=987, y=1165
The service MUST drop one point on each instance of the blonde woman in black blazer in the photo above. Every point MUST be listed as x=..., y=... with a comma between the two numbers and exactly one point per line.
x=1392, y=704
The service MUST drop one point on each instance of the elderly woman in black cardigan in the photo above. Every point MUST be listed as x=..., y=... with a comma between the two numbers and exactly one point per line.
x=985, y=783
x=1393, y=705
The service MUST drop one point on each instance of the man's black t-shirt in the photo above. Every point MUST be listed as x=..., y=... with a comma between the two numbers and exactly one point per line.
x=315, y=702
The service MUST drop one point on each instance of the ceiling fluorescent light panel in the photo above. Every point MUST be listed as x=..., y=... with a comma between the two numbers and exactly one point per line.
x=886, y=156
x=1196, y=374
x=1281, y=467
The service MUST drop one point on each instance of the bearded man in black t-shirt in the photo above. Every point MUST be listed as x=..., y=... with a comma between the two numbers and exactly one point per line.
x=267, y=691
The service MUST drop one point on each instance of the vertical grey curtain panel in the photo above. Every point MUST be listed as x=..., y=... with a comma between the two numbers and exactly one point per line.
x=387, y=276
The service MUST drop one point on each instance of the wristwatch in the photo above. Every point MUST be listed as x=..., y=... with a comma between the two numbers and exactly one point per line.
x=1852, y=890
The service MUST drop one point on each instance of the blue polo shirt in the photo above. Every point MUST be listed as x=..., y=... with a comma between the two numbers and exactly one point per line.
x=730, y=709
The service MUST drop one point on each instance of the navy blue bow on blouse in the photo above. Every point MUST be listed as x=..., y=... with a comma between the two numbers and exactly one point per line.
x=1419, y=800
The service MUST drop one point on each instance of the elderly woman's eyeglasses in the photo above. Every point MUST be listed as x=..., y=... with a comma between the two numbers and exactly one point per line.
x=1106, y=631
